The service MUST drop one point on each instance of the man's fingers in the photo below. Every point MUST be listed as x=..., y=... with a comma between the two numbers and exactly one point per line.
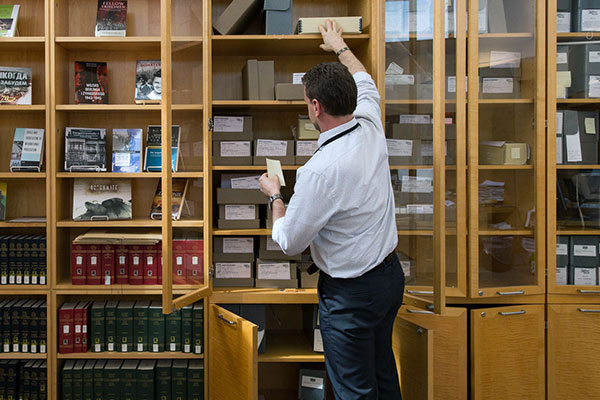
x=322, y=29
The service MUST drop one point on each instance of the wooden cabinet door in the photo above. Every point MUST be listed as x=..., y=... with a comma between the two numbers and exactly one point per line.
x=507, y=353
x=573, y=351
x=233, y=356
x=413, y=349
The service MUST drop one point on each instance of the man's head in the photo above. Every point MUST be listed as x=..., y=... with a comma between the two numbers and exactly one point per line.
x=156, y=82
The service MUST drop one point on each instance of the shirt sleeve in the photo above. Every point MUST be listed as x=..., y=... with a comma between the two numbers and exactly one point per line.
x=308, y=211
x=367, y=105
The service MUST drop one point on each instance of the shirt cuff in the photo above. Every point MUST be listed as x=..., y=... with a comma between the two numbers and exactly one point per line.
x=361, y=76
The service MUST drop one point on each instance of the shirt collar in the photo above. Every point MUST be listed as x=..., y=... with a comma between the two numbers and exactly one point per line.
x=324, y=136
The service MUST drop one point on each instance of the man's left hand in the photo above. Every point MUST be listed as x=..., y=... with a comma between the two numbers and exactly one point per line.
x=269, y=186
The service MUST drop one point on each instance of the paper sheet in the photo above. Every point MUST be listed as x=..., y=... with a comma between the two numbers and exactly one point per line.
x=274, y=168
x=573, y=145
x=590, y=126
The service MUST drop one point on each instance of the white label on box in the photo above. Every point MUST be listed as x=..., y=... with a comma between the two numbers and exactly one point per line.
x=15, y=348
x=563, y=22
x=228, y=124
x=155, y=348
x=110, y=346
x=561, y=58
x=559, y=150
x=140, y=347
x=34, y=280
x=179, y=261
x=590, y=126
x=559, y=122
x=515, y=153
x=399, y=148
x=584, y=250
x=136, y=260
x=11, y=280
x=233, y=270
x=405, y=267
x=186, y=348
x=26, y=280
x=594, y=56
x=297, y=78
x=122, y=159
x=149, y=260
x=77, y=328
x=419, y=208
x=306, y=148
x=19, y=279
x=585, y=276
x=172, y=346
x=34, y=348
x=97, y=348
x=246, y=182
x=562, y=249
x=6, y=348
x=426, y=149
x=4, y=280
x=400, y=80
x=84, y=328
x=274, y=271
x=312, y=382
x=590, y=20
x=498, y=85
x=561, y=275
x=121, y=260
x=235, y=149
x=238, y=245
x=198, y=349
x=240, y=212
x=42, y=348
x=573, y=148
x=417, y=184
x=195, y=260
x=415, y=119
x=318, y=341
x=124, y=348
x=452, y=84
x=594, y=86
x=78, y=260
x=93, y=260
x=271, y=148
x=272, y=245
x=25, y=348
x=66, y=329
x=505, y=59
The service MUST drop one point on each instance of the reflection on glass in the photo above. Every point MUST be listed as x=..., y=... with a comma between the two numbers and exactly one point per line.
x=413, y=195
x=578, y=199
x=416, y=257
x=506, y=261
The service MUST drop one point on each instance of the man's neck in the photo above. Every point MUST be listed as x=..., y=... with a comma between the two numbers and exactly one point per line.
x=331, y=122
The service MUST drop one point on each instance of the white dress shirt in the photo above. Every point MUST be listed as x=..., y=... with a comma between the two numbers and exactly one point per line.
x=343, y=202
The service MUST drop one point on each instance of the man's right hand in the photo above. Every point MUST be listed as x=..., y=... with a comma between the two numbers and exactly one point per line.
x=332, y=37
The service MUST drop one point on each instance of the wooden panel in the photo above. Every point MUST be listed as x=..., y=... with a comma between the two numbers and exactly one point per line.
x=31, y=17
x=413, y=349
x=232, y=357
x=507, y=353
x=186, y=18
x=25, y=198
x=11, y=120
x=34, y=59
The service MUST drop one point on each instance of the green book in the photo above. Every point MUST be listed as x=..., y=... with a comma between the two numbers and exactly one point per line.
x=34, y=326
x=156, y=327
x=43, y=327
x=15, y=325
x=12, y=378
x=198, y=327
x=26, y=314
x=125, y=326
x=35, y=377
x=145, y=379
x=195, y=380
x=88, y=379
x=187, y=334
x=26, y=385
x=43, y=381
x=78, y=380
x=128, y=375
x=112, y=372
x=97, y=334
x=110, y=324
x=99, y=379
x=163, y=380
x=173, y=330
x=179, y=380
x=67, y=380
x=140, y=325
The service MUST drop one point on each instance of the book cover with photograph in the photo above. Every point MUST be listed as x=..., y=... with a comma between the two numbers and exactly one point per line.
x=85, y=149
x=148, y=87
x=127, y=147
x=152, y=159
x=178, y=191
x=2, y=201
x=27, y=149
x=111, y=19
x=101, y=199
x=9, y=15
x=15, y=85
x=91, y=82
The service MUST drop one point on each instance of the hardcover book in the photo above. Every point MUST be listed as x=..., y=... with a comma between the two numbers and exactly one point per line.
x=152, y=159
x=148, y=81
x=91, y=82
x=127, y=147
x=27, y=149
x=179, y=189
x=85, y=149
x=111, y=19
x=8, y=20
x=101, y=199
x=2, y=201
x=15, y=85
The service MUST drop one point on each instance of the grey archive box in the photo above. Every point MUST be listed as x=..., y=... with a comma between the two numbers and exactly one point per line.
x=413, y=131
x=585, y=16
x=563, y=15
x=500, y=88
x=586, y=276
x=562, y=275
x=278, y=17
x=583, y=251
x=562, y=251
x=585, y=59
x=562, y=57
x=584, y=86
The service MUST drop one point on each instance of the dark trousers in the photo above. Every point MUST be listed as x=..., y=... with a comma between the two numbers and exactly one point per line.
x=357, y=317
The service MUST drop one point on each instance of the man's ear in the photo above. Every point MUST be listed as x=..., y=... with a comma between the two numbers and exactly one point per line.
x=318, y=107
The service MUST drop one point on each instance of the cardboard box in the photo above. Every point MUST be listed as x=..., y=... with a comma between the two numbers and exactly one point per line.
x=585, y=15
x=583, y=251
x=275, y=275
x=308, y=281
x=403, y=151
x=250, y=80
x=562, y=57
x=503, y=153
x=500, y=88
x=289, y=91
x=563, y=16
x=110, y=324
x=312, y=384
x=350, y=25
x=237, y=16
x=125, y=326
x=156, y=327
x=235, y=127
x=229, y=224
x=241, y=196
x=229, y=274
x=266, y=80
x=233, y=249
x=198, y=327
x=232, y=153
x=282, y=150
x=140, y=325
x=305, y=150
x=270, y=250
x=278, y=17
x=584, y=86
x=238, y=212
x=306, y=129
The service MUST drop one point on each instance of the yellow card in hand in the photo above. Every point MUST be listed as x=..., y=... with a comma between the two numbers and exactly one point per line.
x=274, y=168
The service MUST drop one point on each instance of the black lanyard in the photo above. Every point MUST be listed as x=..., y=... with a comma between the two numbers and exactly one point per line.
x=339, y=135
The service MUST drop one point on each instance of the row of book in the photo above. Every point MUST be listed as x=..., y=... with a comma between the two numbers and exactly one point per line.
x=128, y=326
x=23, y=328
x=23, y=259
x=23, y=379
x=107, y=264
x=133, y=379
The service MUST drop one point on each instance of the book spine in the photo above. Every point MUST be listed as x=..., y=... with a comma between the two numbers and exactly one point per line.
x=26, y=384
x=25, y=328
x=19, y=261
x=179, y=262
x=128, y=384
x=156, y=330
x=122, y=264
x=4, y=261
x=163, y=382
x=15, y=328
x=140, y=329
x=198, y=329
x=160, y=261
x=6, y=323
x=194, y=261
x=34, y=263
x=43, y=380
x=42, y=263
x=34, y=328
x=150, y=265
x=108, y=264
x=187, y=329
x=88, y=379
x=110, y=326
x=85, y=331
x=173, y=330
x=12, y=261
x=195, y=383
x=78, y=383
x=94, y=264
x=98, y=384
x=136, y=265
x=98, y=339
x=34, y=382
x=125, y=329
x=65, y=331
x=179, y=381
x=78, y=264
x=43, y=328
x=77, y=336
x=11, y=381
x=27, y=264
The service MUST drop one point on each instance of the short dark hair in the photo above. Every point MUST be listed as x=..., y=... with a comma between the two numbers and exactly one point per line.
x=332, y=84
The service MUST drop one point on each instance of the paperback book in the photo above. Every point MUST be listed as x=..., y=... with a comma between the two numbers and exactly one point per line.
x=111, y=19
x=15, y=85
x=152, y=159
x=85, y=149
x=127, y=147
x=27, y=150
x=91, y=82
x=148, y=81
x=9, y=15
x=178, y=192
x=2, y=201
x=101, y=199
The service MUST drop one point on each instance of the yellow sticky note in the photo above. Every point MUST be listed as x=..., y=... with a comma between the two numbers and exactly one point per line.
x=590, y=126
x=563, y=79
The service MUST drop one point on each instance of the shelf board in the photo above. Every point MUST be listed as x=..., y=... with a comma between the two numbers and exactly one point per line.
x=23, y=43
x=5, y=224
x=120, y=289
x=23, y=356
x=515, y=35
x=24, y=289
x=252, y=167
x=504, y=167
x=187, y=107
x=266, y=104
x=578, y=101
x=506, y=232
x=22, y=175
x=572, y=35
x=291, y=346
x=126, y=43
x=233, y=232
x=135, y=223
x=107, y=355
x=578, y=166
x=263, y=296
x=582, y=231
x=108, y=107
x=505, y=101
x=137, y=175
x=22, y=107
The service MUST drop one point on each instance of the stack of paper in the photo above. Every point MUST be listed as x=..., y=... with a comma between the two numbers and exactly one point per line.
x=491, y=192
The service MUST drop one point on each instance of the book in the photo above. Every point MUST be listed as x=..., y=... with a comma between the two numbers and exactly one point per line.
x=179, y=189
x=101, y=199
x=152, y=158
x=126, y=147
x=85, y=149
x=148, y=81
x=9, y=15
x=2, y=201
x=111, y=19
x=27, y=150
x=15, y=85
x=91, y=82
x=311, y=25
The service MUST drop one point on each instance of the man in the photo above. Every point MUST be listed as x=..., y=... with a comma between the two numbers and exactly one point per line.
x=343, y=207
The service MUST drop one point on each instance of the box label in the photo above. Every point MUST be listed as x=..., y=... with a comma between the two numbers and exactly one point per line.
x=585, y=276
x=228, y=124
x=233, y=270
x=559, y=122
x=271, y=148
x=399, y=148
x=246, y=182
x=405, y=267
x=498, y=85
x=312, y=382
x=297, y=78
x=240, y=212
x=563, y=22
x=515, y=153
x=417, y=184
x=590, y=126
x=505, y=59
x=272, y=245
x=400, y=80
x=561, y=58
x=238, y=245
x=573, y=144
x=235, y=149
x=590, y=20
x=306, y=148
x=426, y=148
x=274, y=271
x=419, y=208
x=318, y=341
x=559, y=150
x=415, y=119
x=594, y=56
x=594, y=86
x=562, y=249
x=584, y=250
x=561, y=275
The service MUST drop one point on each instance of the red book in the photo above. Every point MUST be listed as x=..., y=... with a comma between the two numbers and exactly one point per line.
x=179, y=261
x=150, y=265
x=85, y=332
x=65, y=328
x=78, y=264
x=94, y=264
x=160, y=261
x=122, y=264
x=136, y=264
x=194, y=261
x=108, y=264
x=77, y=323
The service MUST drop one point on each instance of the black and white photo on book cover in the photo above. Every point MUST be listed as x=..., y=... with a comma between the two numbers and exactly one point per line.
x=148, y=81
x=101, y=199
x=15, y=85
x=111, y=19
x=85, y=149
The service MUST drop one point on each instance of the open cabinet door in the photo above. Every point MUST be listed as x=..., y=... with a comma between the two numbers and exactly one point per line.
x=233, y=356
x=413, y=349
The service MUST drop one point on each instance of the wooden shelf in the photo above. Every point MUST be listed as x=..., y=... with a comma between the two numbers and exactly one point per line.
x=187, y=107
x=516, y=35
x=506, y=232
x=4, y=224
x=91, y=43
x=66, y=288
x=578, y=166
x=23, y=107
x=252, y=167
x=582, y=231
x=135, y=223
x=290, y=346
x=448, y=167
x=258, y=104
x=578, y=101
x=108, y=355
x=136, y=175
x=23, y=356
x=409, y=102
x=108, y=107
x=505, y=101
x=233, y=232
x=581, y=35
x=505, y=167
x=23, y=175
x=24, y=289
x=23, y=43
x=264, y=296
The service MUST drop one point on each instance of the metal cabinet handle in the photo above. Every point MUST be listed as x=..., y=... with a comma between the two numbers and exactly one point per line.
x=510, y=293
x=587, y=310
x=585, y=291
x=419, y=311
x=419, y=292
x=226, y=320
x=505, y=314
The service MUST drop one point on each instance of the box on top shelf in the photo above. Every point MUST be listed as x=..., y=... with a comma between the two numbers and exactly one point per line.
x=232, y=152
x=233, y=249
x=237, y=16
x=233, y=127
x=350, y=25
x=234, y=273
x=278, y=17
x=585, y=16
x=238, y=216
x=282, y=150
x=563, y=16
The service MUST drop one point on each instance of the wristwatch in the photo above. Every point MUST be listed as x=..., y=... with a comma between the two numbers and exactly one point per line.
x=273, y=198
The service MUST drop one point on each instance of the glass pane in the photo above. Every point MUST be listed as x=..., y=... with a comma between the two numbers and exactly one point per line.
x=506, y=261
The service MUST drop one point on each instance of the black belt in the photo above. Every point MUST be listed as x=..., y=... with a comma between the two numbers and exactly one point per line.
x=313, y=267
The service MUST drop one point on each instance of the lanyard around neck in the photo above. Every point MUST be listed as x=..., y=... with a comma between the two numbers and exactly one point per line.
x=339, y=135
